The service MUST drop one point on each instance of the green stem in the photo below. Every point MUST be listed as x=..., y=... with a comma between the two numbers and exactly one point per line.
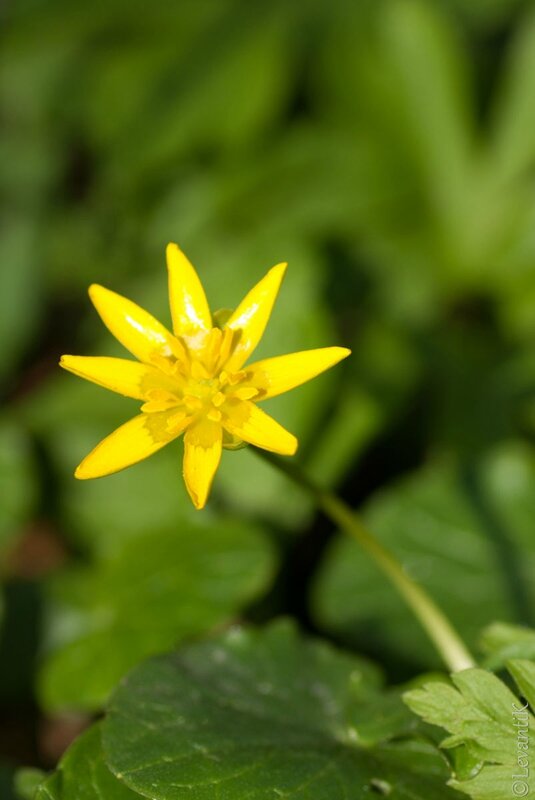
x=437, y=626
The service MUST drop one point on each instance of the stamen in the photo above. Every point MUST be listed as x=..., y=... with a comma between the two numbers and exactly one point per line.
x=245, y=392
x=236, y=377
x=192, y=402
x=166, y=365
x=213, y=346
x=199, y=371
x=180, y=370
x=177, y=422
x=159, y=400
x=218, y=399
x=179, y=350
x=227, y=346
x=214, y=415
x=158, y=405
x=160, y=395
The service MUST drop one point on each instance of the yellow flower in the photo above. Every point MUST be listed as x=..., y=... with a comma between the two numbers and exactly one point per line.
x=193, y=380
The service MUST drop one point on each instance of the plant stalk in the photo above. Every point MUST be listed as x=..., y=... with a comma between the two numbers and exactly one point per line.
x=438, y=628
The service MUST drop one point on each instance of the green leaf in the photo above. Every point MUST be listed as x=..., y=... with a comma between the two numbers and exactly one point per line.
x=27, y=780
x=476, y=710
x=502, y=642
x=450, y=529
x=401, y=75
x=486, y=14
x=154, y=592
x=432, y=77
x=262, y=714
x=523, y=671
x=204, y=53
x=514, y=124
x=447, y=218
x=485, y=719
x=82, y=774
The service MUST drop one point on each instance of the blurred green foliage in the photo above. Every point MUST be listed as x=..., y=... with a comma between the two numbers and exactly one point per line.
x=387, y=151
x=161, y=588
x=465, y=534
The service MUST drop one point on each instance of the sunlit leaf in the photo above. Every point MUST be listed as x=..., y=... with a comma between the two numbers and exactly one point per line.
x=484, y=718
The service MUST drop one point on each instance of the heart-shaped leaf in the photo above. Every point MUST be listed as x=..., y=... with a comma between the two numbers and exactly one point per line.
x=263, y=715
x=82, y=774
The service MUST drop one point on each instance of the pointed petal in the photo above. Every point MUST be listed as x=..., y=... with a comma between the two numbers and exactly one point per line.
x=130, y=378
x=189, y=307
x=252, y=315
x=134, y=327
x=202, y=454
x=248, y=422
x=137, y=439
x=276, y=375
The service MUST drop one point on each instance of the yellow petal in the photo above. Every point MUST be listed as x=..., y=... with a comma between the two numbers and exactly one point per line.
x=202, y=454
x=276, y=375
x=125, y=377
x=252, y=315
x=250, y=423
x=137, y=439
x=134, y=327
x=189, y=307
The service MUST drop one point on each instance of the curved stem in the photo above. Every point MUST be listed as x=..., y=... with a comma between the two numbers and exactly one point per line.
x=437, y=626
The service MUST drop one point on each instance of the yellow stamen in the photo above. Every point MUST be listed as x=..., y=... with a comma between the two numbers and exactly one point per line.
x=199, y=371
x=166, y=365
x=160, y=395
x=157, y=405
x=213, y=347
x=176, y=421
x=179, y=350
x=227, y=346
x=236, y=377
x=245, y=392
x=159, y=400
x=192, y=402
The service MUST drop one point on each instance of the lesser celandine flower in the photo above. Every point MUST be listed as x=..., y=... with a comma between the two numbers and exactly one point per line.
x=194, y=380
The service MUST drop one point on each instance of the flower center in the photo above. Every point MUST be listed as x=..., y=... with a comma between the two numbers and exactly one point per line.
x=197, y=385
